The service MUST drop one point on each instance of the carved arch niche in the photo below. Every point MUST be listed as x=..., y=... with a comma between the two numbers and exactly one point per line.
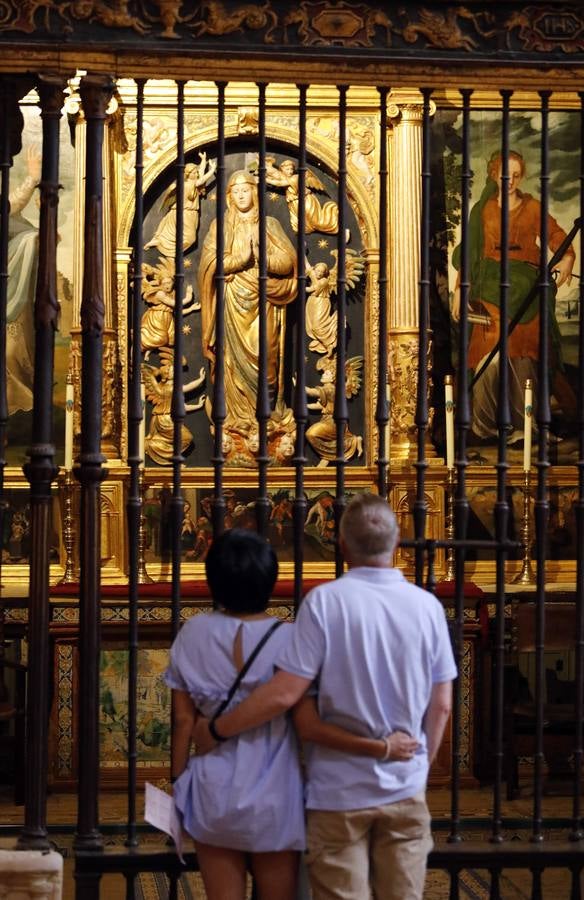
x=241, y=153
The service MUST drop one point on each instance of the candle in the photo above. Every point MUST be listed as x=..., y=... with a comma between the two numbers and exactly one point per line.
x=528, y=425
x=142, y=427
x=69, y=400
x=449, y=405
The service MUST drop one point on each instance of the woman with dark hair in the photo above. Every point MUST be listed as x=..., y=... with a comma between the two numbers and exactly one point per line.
x=244, y=799
x=247, y=796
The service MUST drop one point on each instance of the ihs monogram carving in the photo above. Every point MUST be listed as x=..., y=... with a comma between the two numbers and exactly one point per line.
x=547, y=29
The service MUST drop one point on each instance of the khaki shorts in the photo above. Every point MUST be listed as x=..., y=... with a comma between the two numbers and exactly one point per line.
x=378, y=852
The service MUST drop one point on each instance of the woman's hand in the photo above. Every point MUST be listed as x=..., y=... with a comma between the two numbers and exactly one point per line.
x=399, y=747
x=202, y=736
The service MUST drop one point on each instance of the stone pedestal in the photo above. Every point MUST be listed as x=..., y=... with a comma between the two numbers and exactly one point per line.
x=30, y=874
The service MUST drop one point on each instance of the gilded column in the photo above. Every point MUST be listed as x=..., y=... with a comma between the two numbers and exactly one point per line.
x=405, y=112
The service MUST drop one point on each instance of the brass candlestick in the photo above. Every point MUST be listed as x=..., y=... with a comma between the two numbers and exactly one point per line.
x=143, y=576
x=450, y=568
x=70, y=576
x=526, y=576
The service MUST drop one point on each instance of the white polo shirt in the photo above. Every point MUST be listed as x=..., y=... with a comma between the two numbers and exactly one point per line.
x=374, y=644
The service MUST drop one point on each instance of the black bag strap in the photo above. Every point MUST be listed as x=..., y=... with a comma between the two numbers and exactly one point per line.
x=245, y=668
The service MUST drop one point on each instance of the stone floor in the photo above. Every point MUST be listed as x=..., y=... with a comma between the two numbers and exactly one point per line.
x=515, y=884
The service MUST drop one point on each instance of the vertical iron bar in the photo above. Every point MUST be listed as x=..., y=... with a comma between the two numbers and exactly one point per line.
x=495, y=891
x=177, y=407
x=577, y=833
x=420, y=510
x=382, y=409
x=461, y=506
x=300, y=404
x=41, y=471
x=431, y=571
x=178, y=401
x=263, y=388
x=501, y=504
x=87, y=885
x=11, y=90
x=536, y=885
x=542, y=502
x=96, y=92
x=130, y=886
x=218, y=410
x=341, y=410
x=134, y=504
x=10, y=112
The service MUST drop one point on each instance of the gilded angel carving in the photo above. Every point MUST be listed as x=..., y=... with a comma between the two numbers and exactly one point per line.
x=321, y=321
x=157, y=327
x=323, y=217
x=158, y=385
x=196, y=179
x=322, y=435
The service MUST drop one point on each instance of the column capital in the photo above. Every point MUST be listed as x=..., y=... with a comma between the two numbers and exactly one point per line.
x=51, y=90
x=407, y=105
x=96, y=91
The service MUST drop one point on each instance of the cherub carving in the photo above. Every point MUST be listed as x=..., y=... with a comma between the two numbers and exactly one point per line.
x=318, y=216
x=322, y=436
x=157, y=328
x=321, y=321
x=196, y=178
x=222, y=18
x=158, y=383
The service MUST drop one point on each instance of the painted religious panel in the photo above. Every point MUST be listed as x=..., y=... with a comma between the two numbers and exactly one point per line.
x=484, y=237
x=23, y=226
x=241, y=300
x=197, y=527
x=16, y=535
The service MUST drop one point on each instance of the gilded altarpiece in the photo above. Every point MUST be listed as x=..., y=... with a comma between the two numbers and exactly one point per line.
x=240, y=437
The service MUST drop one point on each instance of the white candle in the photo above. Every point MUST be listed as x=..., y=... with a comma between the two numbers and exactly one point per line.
x=528, y=425
x=449, y=405
x=142, y=428
x=69, y=400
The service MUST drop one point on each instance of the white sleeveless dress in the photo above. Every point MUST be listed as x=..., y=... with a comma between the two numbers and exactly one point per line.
x=247, y=794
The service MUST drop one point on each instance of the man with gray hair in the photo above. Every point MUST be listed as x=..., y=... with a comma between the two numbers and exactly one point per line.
x=378, y=652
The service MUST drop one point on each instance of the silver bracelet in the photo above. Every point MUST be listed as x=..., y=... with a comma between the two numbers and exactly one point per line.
x=387, y=754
